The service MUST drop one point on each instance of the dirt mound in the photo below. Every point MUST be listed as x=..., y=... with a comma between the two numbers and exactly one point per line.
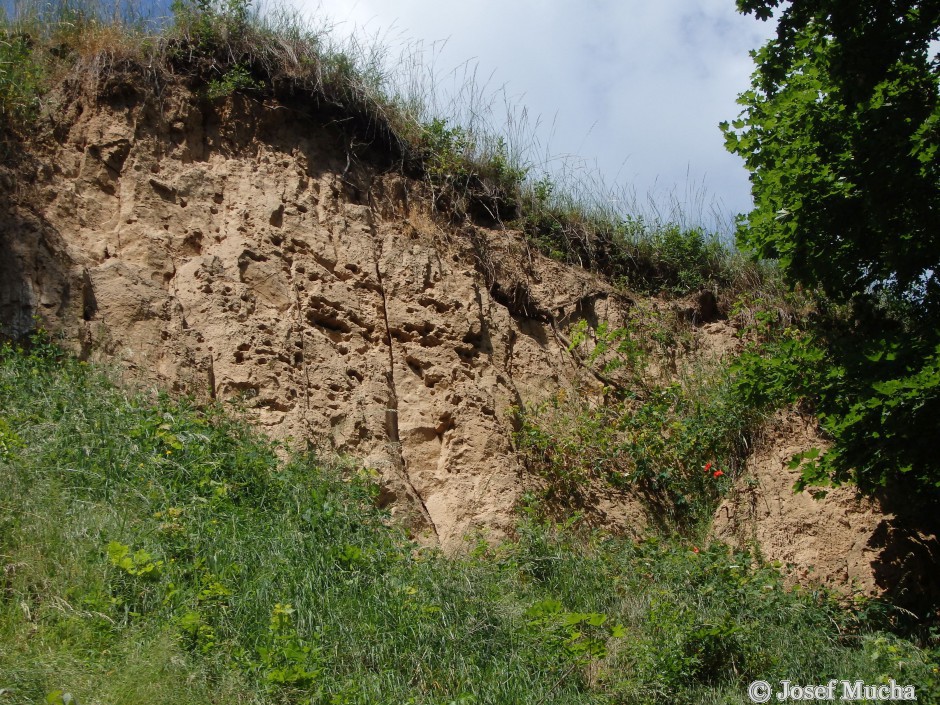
x=837, y=538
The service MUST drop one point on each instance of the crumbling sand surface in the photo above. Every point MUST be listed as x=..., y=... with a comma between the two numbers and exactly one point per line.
x=233, y=250
x=245, y=249
x=834, y=537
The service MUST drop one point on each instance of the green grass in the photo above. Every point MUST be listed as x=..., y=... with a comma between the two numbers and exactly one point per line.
x=20, y=79
x=647, y=254
x=153, y=551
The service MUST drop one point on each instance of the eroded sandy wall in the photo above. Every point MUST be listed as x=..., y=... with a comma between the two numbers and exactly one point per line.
x=237, y=249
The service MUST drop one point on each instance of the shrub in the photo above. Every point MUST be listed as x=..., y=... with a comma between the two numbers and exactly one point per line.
x=21, y=78
x=669, y=257
x=212, y=24
x=679, y=445
x=237, y=78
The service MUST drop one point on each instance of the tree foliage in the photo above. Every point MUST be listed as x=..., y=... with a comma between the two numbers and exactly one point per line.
x=841, y=133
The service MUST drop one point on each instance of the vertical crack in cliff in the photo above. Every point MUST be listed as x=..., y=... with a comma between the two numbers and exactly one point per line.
x=303, y=344
x=305, y=360
x=391, y=410
x=211, y=378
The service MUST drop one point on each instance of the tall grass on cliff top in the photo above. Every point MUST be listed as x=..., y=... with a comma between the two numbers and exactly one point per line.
x=156, y=552
x=442, y=128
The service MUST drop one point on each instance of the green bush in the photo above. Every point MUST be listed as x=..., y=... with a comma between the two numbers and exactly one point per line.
x=212, y=24
x=237, y=78
x=679, y=445
x=773, y=374
x=841, y=133
x=467, y=170
x=669, y=257
x=21, y=79
x=867, y=397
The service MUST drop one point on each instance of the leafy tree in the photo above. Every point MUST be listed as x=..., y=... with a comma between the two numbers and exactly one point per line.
x=841, y=130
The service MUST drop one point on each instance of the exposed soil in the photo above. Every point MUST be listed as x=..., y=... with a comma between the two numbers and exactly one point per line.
x=834, y=537
x=237, y=250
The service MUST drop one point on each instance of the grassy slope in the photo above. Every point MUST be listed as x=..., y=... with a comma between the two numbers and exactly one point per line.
x=252, y=579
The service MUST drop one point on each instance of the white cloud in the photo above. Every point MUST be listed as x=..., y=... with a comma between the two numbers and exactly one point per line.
x=637, y=86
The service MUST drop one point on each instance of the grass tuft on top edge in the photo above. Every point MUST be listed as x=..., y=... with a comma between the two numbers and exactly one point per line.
x=389, y=106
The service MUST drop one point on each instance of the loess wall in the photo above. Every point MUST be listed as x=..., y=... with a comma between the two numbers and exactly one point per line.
x=252, y=250
x=239, y=249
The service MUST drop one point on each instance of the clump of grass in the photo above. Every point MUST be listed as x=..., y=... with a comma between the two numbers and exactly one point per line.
x=154, y=551
x=646, y=254
x=20, y=78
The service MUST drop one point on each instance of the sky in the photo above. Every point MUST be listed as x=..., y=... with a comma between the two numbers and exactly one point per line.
x=634, y=89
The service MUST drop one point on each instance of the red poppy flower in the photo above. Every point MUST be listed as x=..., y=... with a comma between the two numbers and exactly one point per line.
x=694, y=549
x=717, y=473
x=708, y=466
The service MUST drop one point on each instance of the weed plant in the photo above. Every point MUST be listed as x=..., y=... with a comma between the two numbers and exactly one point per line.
x=158, y=552
x=677, y=445
x=678, y=438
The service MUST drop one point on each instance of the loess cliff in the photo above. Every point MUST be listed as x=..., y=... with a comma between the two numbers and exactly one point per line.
x=250, y=249
x=237, y=249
